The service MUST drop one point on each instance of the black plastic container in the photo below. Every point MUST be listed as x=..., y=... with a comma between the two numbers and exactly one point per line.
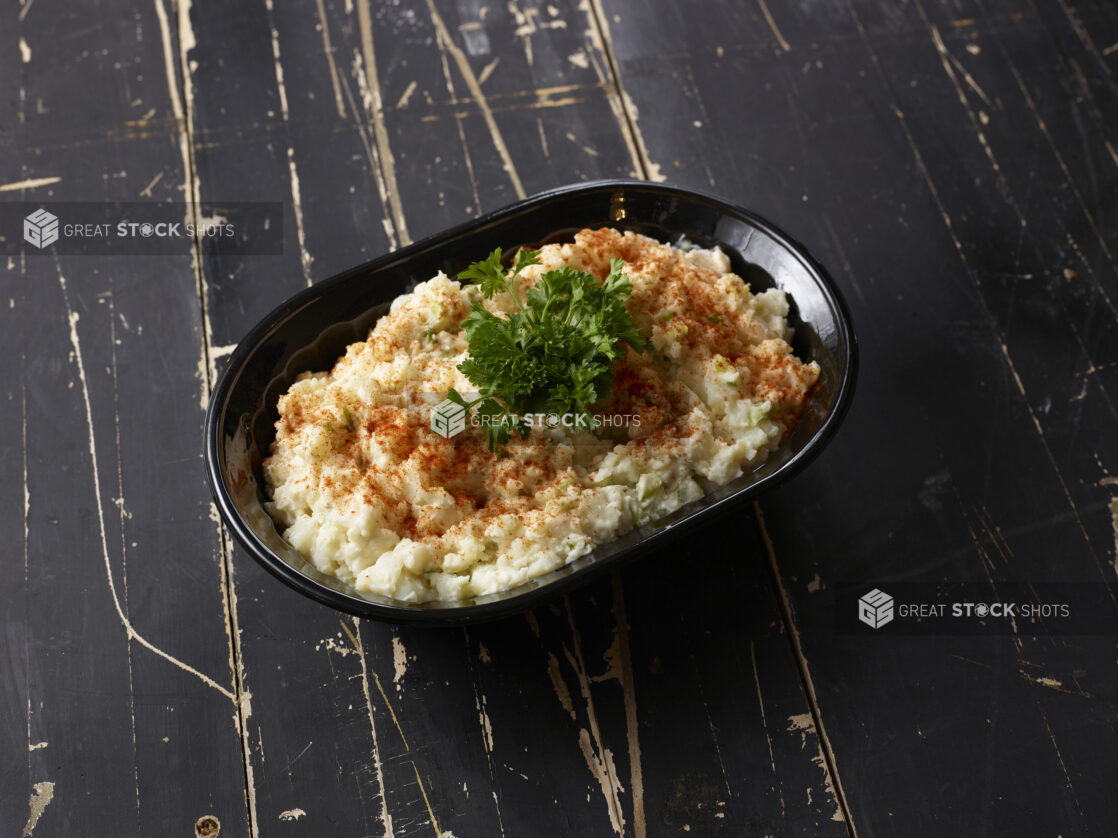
x=312, y=329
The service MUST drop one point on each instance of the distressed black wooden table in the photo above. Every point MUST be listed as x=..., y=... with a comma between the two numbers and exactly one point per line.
x=954, y=163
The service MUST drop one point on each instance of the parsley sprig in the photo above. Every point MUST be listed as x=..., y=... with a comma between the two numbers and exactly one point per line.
x=554, y=353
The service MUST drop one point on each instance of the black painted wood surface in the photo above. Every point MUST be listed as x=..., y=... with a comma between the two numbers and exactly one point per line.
x=953, y=163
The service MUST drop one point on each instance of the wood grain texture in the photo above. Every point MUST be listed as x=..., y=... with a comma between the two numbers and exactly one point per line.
x=947, y=205
x=952, y=163
x=118, y=651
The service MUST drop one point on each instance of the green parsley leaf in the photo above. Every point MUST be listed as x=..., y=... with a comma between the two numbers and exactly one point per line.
x=488, y=274
x=524, y=258
x=554, y=354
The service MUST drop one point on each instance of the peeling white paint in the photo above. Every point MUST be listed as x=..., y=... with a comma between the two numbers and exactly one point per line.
x=399, y=661
x=41, y=796
x=579, y=59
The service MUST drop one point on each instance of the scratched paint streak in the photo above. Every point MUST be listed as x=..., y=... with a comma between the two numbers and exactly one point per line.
x=72, y=319
x=1042, y=125
x=1054, y=684
x=277, y=66
x=486, y=730
x=463, y=63
x=380, y=129
x=386, y=818
x=559, y=685
x=1080, y=30
x=458, y=118
x=628, y=686
x=484, y=721
x=190, y=187
x=545, y=94
x=540, y=103
x=426, y=800
x=241, y=717
x=391, y=710
x=146, y=191
x=948, y=61
x=244, y=697
x=1113, y=506
x=761, y=707
x=826, y=758
x=993, y=531
x=469, y=164
x=1060, y=758
x=33, y=183
x=1113, y=153
x=988, y=568
x=772, y=25
x=543, y=139
x=904, y=126
x=624, y=109
x=305, y=258
x=599, y=759
x=600, y=763
x=26, y=542
x=523, y=32
x=371, y=152
x=444, y=62
x=395, y=721
x=487, y=71
x=26, y=482
x=124, y=514
x=952, y=64
x=1054, y=465
x=402, y=102
x=712, y=728
x=988, y=562
x=328, y=49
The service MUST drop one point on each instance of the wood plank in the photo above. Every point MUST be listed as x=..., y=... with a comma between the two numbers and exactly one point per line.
x=886, y=191
x=18, y=771
x=312, y=758
x=120, y=650
x=399, y=121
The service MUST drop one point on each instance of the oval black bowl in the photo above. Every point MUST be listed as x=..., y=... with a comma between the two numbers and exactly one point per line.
x=312, y=329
